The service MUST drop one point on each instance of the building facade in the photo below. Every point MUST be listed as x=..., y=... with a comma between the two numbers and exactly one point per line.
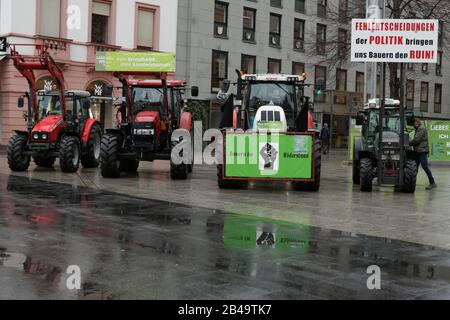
x=291, y=36
x=75, y=30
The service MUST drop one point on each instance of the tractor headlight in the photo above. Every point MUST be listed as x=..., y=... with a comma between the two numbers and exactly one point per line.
x=35, y=136
x=44, y=136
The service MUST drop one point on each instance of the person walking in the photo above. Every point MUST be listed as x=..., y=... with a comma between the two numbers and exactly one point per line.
x=421, y=146
x=325, y=137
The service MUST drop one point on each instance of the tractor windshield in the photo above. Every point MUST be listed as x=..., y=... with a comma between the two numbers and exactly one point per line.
x=50, y=105
x=148, y=99
x=278, y=94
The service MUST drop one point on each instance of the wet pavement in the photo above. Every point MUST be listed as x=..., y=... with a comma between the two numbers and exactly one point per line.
x=130, y=247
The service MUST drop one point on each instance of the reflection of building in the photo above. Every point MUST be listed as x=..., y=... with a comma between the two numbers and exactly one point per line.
x=79, y=28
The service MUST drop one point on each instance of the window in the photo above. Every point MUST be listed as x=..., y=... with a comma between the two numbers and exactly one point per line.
x=341, y=80
x=50, y=18
x=321, y=38
x=101, y=12
x=249, y=24
x=320, y=83
x=424, y=97
x=410, y=94
x=300, y=6
x=342, y=43
x=359, y=82
x=437, y=98
x=322, y=8
x=425, y=67
x=274, y=66
x=276, y=3
x=275, y=30
x=298, y=68
x=343, y=11
x=299, y=34
x=145, y=29
x=219, y=69
x=248, y=64
x=439, y=64
x=410, y=66
x=221, y=19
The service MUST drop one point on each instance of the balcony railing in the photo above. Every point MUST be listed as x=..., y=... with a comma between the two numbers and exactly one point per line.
x=93, y=48
x=60, y=47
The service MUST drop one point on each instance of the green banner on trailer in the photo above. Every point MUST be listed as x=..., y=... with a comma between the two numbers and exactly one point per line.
x=275, y=156
x=135, y=61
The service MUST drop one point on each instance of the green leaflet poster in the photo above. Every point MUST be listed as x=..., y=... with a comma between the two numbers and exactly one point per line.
x=135, y=61
x=275, y=156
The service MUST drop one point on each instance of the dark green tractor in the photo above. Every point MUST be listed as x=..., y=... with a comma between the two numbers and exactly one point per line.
x=383, y=150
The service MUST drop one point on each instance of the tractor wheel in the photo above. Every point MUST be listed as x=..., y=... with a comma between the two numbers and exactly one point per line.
x=44, y=162
x=410, y=176
x=17, y=161
x=69, y=154
x=366, y=174
x=129, y=165
x=91, y=159
x=315, y=185
x=356, y=177
x=229, y=184
x=109, y=156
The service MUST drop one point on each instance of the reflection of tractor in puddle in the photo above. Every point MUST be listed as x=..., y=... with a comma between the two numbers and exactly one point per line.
x=250, y=232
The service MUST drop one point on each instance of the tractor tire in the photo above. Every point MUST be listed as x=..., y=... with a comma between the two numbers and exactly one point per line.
x=129, y=165
x=109, y=156
x=229, y=184
x=410, y=176
x=17, y=161
x=366, y=174
x=315, y=185
x=44, y=162
x=178, y=171
x=355, y=175
x=91, y=159
x=69, y=154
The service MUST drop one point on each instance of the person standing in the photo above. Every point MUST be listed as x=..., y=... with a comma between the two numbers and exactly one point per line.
x=325, y=137
x=421, y=146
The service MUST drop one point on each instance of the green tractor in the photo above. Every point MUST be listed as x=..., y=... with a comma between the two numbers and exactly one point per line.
x=383, y=150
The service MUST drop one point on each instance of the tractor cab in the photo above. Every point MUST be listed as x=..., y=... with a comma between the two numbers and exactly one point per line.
x=273, y=98
x=383, y=150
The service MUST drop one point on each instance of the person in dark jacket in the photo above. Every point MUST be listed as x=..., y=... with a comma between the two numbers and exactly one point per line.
x=421, y=146
x=325, y=137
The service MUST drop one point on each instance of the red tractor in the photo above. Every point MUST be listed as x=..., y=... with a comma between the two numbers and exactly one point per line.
x=59, y=122
x=150, y=112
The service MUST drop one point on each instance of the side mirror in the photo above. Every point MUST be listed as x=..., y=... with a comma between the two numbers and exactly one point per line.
x=21, y=102
x=194, y=91
x=410, y=118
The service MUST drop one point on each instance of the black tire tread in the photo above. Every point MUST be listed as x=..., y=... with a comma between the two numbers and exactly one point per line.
x=16, y=160
x=109, y=153
x=66, y=154
x=366, y=175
